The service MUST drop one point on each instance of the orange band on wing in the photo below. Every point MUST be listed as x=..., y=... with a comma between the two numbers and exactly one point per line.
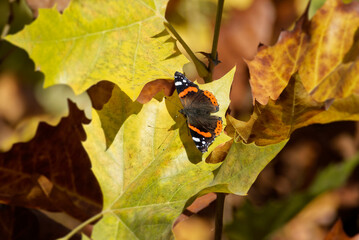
x=218, y=129
x=211, y=97
x=187, y=90
x=204, y=134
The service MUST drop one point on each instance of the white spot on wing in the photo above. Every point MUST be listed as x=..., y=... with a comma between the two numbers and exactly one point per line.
x=178, y=83
x=196, y=139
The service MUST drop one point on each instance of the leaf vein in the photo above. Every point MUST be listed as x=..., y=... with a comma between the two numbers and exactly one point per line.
x=89, y=34
x=136, y=50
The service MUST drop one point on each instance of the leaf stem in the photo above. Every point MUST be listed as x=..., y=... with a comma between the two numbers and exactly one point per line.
x=82, y=225
x=200, y=66
x=219, y=216
x=217, y=28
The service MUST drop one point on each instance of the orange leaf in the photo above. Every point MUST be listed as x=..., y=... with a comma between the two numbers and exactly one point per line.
x=275, y=121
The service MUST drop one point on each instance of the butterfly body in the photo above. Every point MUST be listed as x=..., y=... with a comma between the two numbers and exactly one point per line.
x=192, y=112
x=198, y=105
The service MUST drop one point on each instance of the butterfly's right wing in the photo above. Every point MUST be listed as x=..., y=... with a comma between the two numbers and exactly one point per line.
x=204, y=129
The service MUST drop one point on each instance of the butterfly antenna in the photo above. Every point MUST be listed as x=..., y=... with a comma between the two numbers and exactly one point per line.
x=163, y=141
x=162, y=128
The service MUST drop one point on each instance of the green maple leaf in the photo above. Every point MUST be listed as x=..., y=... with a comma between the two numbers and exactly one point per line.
x=93, y=41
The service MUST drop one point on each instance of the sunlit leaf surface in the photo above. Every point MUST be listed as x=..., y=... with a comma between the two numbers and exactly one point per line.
x=93, y=41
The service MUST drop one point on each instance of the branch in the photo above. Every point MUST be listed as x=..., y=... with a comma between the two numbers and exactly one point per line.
x=219, y=216
x=213, y=56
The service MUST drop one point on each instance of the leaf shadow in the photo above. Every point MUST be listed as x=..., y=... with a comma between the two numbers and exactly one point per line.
x=109, y=100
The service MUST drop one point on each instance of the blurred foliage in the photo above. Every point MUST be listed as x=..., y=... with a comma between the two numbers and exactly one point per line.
x=258, y=222
x=30, y=103
x=19, y=82
x=14, y=15
x=337, y=232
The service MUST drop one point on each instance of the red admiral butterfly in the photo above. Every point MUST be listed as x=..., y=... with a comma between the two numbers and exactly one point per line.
x=197, y=107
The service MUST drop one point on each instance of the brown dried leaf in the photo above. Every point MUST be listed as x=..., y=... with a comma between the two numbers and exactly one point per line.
x=275, y=121
x=25, y=223
x=320, y=56
x=315, y=49
x=52, y=171
x=341, y=83
x=219, y=153
x=152, y=88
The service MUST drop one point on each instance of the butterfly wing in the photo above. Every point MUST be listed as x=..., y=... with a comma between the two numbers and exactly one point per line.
x=204, y=129
x=193, y=97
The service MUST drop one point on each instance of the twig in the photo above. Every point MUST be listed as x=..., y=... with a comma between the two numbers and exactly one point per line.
x=200, y=66
x=219, y=216
x=217, y=27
